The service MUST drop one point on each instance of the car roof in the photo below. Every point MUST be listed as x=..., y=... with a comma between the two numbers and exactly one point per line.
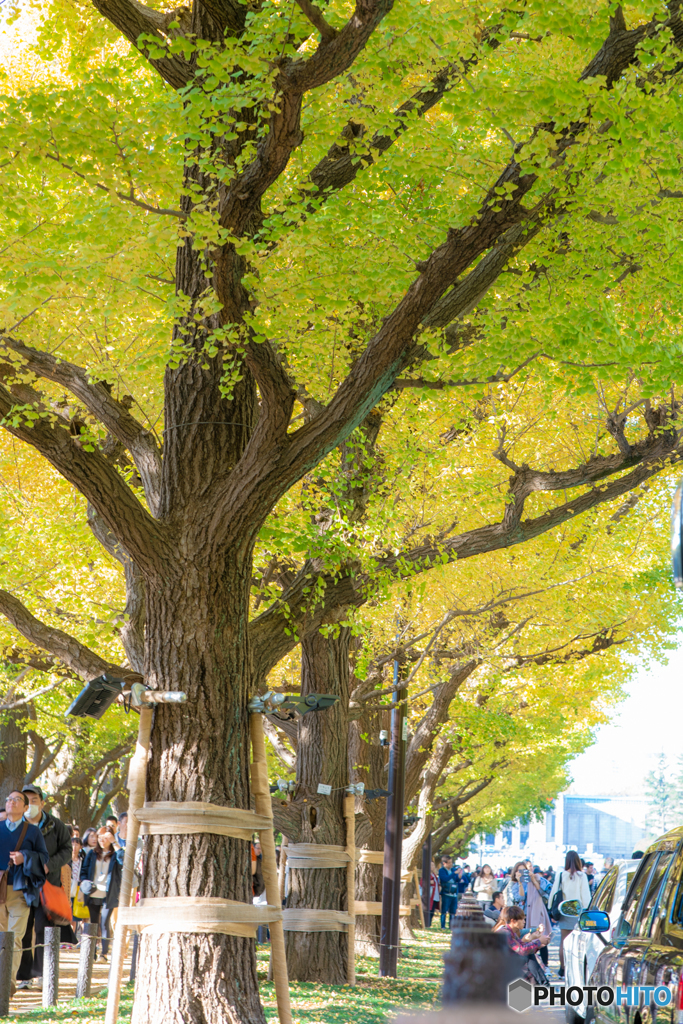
x=669, y=841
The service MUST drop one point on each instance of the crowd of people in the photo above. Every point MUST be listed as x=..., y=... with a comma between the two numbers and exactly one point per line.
x=37, y=847
x=521, y=902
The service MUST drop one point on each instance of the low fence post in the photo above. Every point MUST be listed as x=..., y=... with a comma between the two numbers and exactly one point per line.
x=6, y=979
x=51, y=967
x=86, y=960
x=479, y=966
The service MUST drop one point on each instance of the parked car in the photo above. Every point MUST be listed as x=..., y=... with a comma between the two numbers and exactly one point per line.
x=581, y=949
x=647, y=941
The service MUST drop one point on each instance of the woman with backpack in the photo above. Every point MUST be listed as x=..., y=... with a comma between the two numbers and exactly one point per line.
x=570, y=884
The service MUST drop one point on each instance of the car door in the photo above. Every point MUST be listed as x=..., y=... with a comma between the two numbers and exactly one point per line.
x=639, y=945
x=665, y=953
x=590, y=945
x=616, y=962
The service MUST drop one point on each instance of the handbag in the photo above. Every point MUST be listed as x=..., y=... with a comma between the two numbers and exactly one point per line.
x=81, y=912
x=4, y=874
x=56, y=904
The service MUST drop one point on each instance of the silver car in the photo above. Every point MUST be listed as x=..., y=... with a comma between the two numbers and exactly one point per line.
x=582, y=949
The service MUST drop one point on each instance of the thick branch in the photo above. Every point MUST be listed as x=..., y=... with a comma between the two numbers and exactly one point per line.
x=134, y=19
x=112, y=414
x=317, y=19
x=143, y=537
x=75, y=655
x=287, y=757
x=268, y=638
x=241, y=204
x=419, y=749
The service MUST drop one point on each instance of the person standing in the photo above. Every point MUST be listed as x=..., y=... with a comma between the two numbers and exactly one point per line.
x=24, y=856
x=523, y=890
x=449, y=891
x=57, y=840
x=573, y=885
x=101, y=884
x=462, y=880
x=484, y=886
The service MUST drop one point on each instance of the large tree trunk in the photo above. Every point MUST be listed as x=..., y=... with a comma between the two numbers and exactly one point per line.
x=322, y=756
x=12, y=750
x=367, y=764
x=197, y=642
x=412, y=844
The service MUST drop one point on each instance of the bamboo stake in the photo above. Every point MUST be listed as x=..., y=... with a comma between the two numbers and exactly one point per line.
x=262, y=800
x=137, y=780
x=350, y=816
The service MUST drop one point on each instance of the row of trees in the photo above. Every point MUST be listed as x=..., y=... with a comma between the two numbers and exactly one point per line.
x=334, y=338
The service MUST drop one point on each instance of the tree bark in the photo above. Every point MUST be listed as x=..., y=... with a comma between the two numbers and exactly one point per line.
x=13, y=741
x=322, y=756
x=367, y=764
x=197, y=642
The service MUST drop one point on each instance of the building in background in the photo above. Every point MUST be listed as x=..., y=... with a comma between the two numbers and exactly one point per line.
x=595, y=826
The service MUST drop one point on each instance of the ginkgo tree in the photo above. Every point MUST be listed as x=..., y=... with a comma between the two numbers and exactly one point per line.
x=237, y=235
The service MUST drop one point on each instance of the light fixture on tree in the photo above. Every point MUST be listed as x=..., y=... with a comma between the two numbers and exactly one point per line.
x=269, y=703
x=98, y=695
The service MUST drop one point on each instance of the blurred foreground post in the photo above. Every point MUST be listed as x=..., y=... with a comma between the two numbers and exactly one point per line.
x=6, y=979
x=86, y=960
x=51, y=967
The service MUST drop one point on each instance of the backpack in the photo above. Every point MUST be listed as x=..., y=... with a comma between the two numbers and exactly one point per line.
x=555, y=905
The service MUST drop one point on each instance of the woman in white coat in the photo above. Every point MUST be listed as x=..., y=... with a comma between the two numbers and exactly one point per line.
x=573, y=884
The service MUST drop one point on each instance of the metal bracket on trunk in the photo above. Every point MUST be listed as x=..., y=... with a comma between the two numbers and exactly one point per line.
x=271, y=702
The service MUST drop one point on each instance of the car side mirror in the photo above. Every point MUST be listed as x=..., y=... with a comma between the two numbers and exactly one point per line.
x=595, y=921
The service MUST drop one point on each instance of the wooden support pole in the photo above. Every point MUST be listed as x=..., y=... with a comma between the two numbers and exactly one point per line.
x=427, y=880
x=51, y=967
x=86, y=960
x=134, y=957
x=283, y=869
x=6, y=974
x=137, y=780
x=420, y=909
x=263, y=805
x=350, y=816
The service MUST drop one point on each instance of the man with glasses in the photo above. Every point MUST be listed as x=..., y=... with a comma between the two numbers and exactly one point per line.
x=23, y=855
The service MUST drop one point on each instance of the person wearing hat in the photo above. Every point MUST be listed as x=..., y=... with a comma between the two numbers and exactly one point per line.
x=57, y=840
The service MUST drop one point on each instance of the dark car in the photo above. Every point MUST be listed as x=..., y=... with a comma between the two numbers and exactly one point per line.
x=647, y=944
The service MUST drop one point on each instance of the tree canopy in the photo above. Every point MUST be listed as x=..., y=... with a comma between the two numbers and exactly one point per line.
x=298, y=304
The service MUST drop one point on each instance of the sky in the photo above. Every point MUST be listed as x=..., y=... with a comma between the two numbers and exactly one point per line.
x=645, y=724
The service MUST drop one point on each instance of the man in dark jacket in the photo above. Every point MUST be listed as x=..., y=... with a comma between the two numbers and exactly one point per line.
x=24, y=859
x=57, y=840
x=449, y=891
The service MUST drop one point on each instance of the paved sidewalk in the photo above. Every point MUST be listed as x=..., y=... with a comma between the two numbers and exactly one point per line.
x=29, y=999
